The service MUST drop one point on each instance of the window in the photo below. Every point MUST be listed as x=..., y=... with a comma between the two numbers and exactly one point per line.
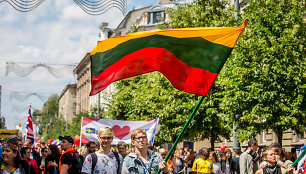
x=157, y=17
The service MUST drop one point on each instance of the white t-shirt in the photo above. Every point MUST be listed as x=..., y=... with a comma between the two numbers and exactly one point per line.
x=106, y=164
x=217, y=168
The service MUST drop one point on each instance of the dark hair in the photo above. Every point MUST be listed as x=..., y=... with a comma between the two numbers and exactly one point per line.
x=54, y=150
x=121, y=143
x=203, y=149
x=23, y=151
x=214, y=156
x=43, y=149
x=251, y=142
x=276, y=146
x=229, y=151
x=17, y=158
x=89, y=143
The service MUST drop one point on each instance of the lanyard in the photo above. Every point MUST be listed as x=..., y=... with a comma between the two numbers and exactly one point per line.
x=150, y=161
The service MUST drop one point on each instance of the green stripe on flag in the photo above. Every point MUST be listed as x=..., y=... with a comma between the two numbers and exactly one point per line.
x=195, y=52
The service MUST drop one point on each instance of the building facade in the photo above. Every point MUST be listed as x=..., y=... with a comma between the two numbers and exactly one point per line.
x=67, y=103
x=83, y=86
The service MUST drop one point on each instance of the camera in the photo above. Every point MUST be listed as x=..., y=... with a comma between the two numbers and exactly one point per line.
x=255, y=156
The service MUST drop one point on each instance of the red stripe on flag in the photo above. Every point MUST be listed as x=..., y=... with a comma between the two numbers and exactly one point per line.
x=182, y=76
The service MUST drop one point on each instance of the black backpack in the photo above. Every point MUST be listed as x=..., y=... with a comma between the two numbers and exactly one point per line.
x=95, y=159
x=77, y=163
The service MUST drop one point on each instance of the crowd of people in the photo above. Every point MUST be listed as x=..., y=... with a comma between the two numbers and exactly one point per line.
x=19, y=157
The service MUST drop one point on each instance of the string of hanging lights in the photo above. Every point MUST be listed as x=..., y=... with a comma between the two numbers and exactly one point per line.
x=22, y=71
x=91, y=7
x=21, y=96
x=24, y=5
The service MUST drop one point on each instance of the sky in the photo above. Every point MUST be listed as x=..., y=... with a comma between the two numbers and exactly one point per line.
x=56, y=33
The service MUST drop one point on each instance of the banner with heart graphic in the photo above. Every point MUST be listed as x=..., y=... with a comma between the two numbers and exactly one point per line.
x=122, y=129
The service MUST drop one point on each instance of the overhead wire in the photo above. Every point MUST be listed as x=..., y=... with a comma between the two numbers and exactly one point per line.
x=91, y=7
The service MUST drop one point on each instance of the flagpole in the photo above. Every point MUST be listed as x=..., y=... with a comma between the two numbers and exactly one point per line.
x=81, y=132
x=182, y=132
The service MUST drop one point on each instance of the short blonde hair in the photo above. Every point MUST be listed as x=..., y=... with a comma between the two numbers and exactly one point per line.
x=137, y=131
x=106, y=131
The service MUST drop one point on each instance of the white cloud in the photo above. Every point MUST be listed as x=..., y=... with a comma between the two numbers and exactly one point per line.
x=56, y=32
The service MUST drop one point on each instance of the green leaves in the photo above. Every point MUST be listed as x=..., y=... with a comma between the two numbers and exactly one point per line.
x=268, y=65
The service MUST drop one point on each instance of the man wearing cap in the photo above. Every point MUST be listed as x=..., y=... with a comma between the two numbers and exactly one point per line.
x=65, y=162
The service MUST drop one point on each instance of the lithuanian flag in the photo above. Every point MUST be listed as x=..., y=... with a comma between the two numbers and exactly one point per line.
x=190, y=58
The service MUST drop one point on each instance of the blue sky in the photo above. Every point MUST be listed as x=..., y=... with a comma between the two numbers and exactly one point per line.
x=56, y=32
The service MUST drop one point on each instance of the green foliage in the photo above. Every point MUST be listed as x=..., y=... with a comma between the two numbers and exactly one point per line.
x=152, y=96
x=261, y=87
x=264, y=80
x=48, y=119
x=202, y=13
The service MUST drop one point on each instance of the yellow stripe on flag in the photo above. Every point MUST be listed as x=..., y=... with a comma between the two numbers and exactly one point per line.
x=226, y=36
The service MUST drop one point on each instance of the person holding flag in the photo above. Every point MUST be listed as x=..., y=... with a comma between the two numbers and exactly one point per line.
x=143, y=160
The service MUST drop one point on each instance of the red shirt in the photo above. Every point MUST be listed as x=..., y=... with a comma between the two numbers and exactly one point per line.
x=35, y=167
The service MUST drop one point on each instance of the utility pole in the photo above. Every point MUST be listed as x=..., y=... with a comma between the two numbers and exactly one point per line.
x=236, y=143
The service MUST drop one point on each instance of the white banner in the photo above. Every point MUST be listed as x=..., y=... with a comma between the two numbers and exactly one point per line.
x=122, y=129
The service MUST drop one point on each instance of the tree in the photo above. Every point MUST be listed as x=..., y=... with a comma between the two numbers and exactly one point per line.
x=264, y=80
x=152, y=96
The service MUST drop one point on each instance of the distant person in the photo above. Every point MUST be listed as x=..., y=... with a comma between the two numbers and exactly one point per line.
x=227, y=163
x=121, y=146
x=25, y=154
x=248, y=162
x=52, y=160
x=178, y=162
x=203, y=164
x=216, y=165
x=34, y=154
x=44, y=153
x=269, y=156
x=67, y=162
x=236, y=160
x=91, y=147
x=163, y=153
x=2, y=141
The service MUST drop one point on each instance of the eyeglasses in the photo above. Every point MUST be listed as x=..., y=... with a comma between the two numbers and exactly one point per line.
x=141, y=138
x=106, y=138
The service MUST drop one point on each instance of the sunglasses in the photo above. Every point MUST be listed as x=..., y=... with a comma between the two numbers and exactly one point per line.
x=106, y=138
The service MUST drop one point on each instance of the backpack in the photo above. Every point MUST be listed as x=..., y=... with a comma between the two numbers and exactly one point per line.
x=77, y=162
x=95, y=159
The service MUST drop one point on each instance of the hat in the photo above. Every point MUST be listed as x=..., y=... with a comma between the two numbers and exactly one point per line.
x=68, y=138
x=12, y=138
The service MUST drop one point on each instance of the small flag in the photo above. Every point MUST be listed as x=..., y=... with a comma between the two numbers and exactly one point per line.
x=29, y=127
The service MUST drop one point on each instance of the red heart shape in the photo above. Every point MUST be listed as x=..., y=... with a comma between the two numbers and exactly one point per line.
x=121, y=132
